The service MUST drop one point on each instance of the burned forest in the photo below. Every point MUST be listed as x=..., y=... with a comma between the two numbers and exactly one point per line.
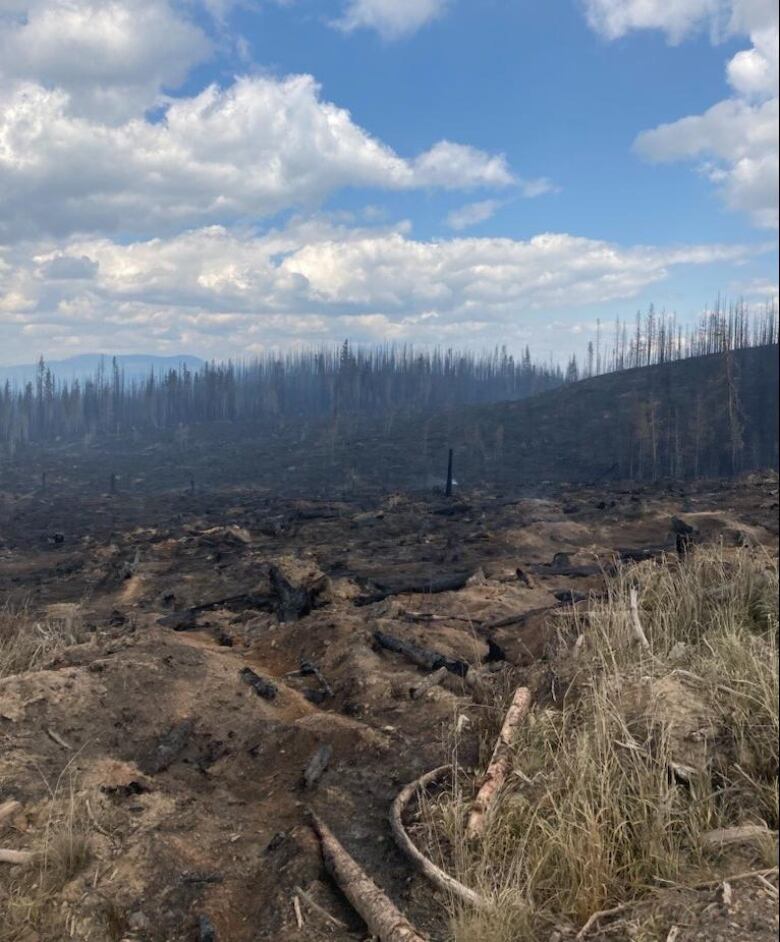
x=497, y=663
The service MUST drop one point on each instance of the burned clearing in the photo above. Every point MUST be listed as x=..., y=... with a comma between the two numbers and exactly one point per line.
x=206, y=668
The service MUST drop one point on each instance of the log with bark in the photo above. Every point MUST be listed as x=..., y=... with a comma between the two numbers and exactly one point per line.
x=500, y=764
x=423, y=657
x=435, y=874
x=378, y=912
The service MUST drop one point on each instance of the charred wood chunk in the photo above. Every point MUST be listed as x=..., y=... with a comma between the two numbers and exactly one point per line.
x=206, y=930
x=186, y=620
x=292, y=602
x=570, y=597
x=317, y=765
x=422, y=657
x=169, y=748
x=495, y=652
x=261, y=686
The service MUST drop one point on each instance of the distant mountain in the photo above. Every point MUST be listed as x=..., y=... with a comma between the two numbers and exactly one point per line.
x=134, y=365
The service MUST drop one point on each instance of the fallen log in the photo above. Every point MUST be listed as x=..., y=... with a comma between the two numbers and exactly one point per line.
x=500, y=764
x=16, y=856
x=432, y=680
x=262, y=687
x=377, y=911
x=422, y=657
x=383, y=591
x=429, y=869
x=317, y=766
x=726, y=837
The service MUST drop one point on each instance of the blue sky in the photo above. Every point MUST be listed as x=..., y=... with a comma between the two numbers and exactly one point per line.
x=220, y=178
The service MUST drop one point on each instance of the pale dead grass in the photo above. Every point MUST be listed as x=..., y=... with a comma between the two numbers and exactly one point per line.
x=599, y=811
x=28, y=643
x=30, y=895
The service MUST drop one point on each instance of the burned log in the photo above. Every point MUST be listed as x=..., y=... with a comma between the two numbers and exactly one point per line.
x=262, y=687
x=382, y=591
x=423, y=657
x=317, y=765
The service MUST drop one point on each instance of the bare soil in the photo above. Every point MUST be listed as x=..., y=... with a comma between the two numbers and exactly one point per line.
x=194, y=782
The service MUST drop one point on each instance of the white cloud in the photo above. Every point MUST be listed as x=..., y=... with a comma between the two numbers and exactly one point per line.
x=392, y=19
x=112, y=57
x=472, y=214
x=257, y=147
x=677, y=18
x=218, y=290
x=735, y=141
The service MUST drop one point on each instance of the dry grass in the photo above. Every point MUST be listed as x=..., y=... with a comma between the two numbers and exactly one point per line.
x=30, y=896
x=647, y=751
x=28, y=643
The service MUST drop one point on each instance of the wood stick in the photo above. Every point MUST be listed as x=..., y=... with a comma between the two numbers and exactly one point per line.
x=636, y=623
x=500, y=764
x=9, y=808
x=377, y=911
x=437, y=876
x=15, y=856
x=313, y=904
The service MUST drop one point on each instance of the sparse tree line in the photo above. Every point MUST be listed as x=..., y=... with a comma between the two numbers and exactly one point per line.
x=330, y=383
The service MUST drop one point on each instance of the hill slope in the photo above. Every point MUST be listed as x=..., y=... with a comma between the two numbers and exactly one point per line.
x=706, y=416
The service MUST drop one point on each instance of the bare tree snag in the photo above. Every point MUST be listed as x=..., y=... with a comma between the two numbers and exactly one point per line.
x=429, y=869
x=500, y=764
x=377, y=911
x=636, y=623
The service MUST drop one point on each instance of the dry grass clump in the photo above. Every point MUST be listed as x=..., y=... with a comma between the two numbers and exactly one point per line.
x=649, y=749
x=28, y=643
x=30, y=895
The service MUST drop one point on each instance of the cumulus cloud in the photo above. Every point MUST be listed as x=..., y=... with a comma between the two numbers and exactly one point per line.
x=735, y=141
x=257, y=147
x=392, y=19
x=112, y=57
x=217, y=289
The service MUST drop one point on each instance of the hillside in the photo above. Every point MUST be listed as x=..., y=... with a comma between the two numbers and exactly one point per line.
x=706, y=416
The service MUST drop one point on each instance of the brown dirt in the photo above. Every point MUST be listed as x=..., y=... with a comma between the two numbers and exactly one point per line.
x=220, y=832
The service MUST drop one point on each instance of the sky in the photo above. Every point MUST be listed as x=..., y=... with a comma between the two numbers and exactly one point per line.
x=228, y=177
